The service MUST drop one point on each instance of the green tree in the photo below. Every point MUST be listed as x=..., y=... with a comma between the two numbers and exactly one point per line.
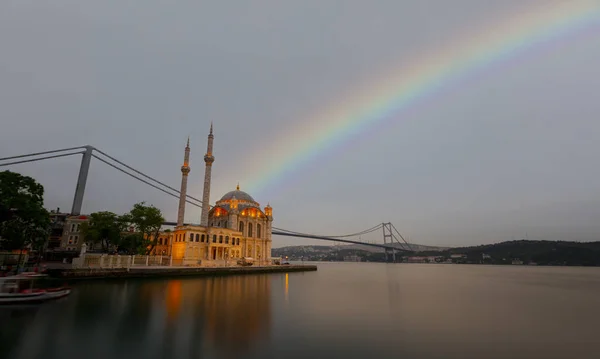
x=105, y=228
x=23, y=218
x=147, y=222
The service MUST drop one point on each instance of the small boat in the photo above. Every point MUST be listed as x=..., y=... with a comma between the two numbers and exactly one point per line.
x=19, y=289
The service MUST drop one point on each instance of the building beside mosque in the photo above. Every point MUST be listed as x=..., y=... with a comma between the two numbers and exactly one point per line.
x=235, y=227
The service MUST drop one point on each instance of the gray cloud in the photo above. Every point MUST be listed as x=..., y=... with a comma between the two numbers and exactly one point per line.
x=506, y=151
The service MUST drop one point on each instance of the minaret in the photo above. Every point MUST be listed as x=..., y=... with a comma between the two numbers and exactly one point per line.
x=208, y=159
x=185, y=170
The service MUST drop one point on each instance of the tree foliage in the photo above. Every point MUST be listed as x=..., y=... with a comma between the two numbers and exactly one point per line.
x=23, y=219
x=105, y=228
x=112, y=232
x=147, y=222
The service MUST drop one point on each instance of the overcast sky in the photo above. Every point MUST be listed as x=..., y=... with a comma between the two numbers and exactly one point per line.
x=511, y=151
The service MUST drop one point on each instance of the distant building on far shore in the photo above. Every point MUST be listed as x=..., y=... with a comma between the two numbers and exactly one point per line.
x=352, y=259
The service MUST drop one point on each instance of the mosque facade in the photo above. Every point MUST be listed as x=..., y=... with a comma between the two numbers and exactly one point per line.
x=235, y=228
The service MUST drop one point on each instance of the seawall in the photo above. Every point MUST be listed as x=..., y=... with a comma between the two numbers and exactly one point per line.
x=157, y=272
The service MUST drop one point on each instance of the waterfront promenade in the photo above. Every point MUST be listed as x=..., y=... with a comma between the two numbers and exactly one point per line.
x=174, y=271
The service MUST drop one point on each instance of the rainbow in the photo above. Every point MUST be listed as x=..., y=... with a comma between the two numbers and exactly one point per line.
x=426, y=75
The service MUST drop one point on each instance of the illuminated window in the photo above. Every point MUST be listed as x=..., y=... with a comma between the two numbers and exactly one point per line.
x=249, y=229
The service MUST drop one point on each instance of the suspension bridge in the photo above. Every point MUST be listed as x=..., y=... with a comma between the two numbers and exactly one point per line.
x=393, y=241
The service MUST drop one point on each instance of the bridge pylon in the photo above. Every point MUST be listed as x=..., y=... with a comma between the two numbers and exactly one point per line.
x=82, y=180
x=388, y=238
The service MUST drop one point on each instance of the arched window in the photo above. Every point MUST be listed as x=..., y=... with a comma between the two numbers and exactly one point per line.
x=221, y=239
x=197, y=237
x=241, y=227
x=226, y=239
x=191, y=237
x=214, y=238
x=249, y=229
x=238, y=241
x=219, y=224
x=258, y=231
x=202, y=239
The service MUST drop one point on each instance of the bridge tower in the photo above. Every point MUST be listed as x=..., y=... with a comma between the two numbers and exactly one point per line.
x=388, y=238
x=84, y=169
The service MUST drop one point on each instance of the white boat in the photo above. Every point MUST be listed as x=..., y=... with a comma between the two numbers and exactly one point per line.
x=19, y=289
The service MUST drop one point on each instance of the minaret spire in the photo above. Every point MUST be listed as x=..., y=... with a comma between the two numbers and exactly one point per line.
x=208, y=160
x=185, y=170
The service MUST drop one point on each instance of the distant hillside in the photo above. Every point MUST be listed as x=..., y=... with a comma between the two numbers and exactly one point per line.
x=530, y=252
x=413, y=247
x=512, y=252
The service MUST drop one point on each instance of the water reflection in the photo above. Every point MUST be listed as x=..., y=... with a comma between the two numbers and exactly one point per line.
x=219, y=317
x=353, y=310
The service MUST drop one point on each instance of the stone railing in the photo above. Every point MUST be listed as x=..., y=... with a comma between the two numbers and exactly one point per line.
x=92, y=260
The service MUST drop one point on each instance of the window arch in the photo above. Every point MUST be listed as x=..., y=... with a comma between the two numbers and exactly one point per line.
x=241, y=227
x=258, y=234
x=249, y=229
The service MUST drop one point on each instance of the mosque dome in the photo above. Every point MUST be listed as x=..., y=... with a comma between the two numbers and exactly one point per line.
x=238, y=195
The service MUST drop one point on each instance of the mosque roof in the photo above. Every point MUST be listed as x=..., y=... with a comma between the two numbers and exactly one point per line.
x=239, y=195
x=241, y=207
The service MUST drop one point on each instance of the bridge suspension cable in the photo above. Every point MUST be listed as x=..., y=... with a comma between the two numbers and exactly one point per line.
x=36, y=154
x=143, y=174
x=41, y=153
x=404, y=240
x=142, y=180
x=36, y=159
x=372, y=229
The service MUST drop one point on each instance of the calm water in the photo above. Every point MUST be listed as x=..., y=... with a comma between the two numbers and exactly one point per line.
x=342, y=311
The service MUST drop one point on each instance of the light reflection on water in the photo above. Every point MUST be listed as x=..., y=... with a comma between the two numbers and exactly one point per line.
x=342, y=310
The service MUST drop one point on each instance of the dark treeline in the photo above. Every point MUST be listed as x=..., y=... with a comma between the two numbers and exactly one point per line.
x=525, y=251
x=530, y=252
